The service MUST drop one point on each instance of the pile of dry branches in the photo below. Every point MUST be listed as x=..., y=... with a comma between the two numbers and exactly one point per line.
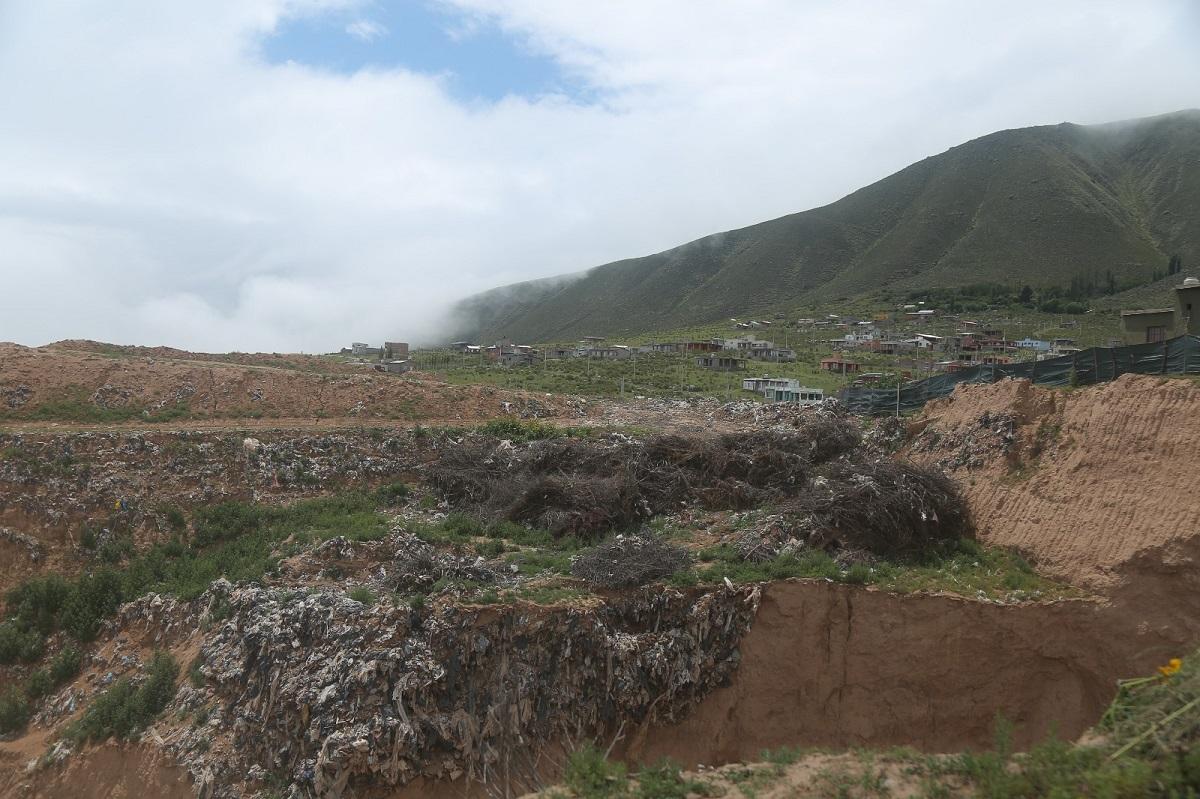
x=587, y=487
x=629, y=560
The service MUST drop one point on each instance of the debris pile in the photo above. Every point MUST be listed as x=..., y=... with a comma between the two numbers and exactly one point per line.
x=629, y=560
x=887, y=508
x=586, y=487
x=970, y=446
x=60, y=481
x=331, y=695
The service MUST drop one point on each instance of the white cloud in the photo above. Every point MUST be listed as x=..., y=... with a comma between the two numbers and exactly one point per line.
x=366, y=30
x=161, y=183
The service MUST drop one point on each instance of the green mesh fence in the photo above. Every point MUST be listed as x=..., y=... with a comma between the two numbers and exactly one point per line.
x=1175, y=356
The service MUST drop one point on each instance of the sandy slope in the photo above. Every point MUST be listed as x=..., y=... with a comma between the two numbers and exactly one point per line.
x=1093, y=478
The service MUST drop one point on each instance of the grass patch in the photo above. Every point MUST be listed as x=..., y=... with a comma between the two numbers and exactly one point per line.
x=591, y=776
x=363, y=595
x=963, y=567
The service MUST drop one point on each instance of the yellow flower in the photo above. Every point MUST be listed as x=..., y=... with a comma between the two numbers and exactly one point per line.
x=1173, y=665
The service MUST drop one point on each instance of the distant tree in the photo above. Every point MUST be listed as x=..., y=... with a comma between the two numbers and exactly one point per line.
x=1174, y=265
x=1026, y=295
x=1110, y=283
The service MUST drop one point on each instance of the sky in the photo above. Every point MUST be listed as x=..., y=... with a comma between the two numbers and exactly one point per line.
x=294, y=175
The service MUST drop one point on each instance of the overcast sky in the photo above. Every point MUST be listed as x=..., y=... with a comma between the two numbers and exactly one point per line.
x=296, y=174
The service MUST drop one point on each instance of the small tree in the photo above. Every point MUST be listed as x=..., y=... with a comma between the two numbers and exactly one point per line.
x=1026, y=295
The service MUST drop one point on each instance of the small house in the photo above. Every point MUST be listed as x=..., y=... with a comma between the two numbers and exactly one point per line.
x=721, y=363
x=1147, y=326
x=396, y=367
x=839, y=365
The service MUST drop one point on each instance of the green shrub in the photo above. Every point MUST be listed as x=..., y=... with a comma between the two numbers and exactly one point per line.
x=14, y=711
x=65, y=665
x=663, y=781
x=195, y=675
x=38, y=685
x=19, y=644
x=392, y=494
x=36, y=603
x=362, y=595
x=87, y=539
x=125, y=709
x=175, y=518
x=591, y=776
x=533, y=563
x=490, y=549
x=93, y=598
x=520, y=431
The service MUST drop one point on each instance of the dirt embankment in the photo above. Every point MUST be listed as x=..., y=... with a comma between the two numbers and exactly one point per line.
x=1086, y=482
x=57, y=384
x=837, y=666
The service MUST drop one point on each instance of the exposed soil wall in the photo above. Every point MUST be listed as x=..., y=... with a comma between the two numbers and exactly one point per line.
x=833, y=665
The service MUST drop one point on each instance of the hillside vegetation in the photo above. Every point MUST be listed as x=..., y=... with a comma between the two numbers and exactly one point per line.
x=1104, y=205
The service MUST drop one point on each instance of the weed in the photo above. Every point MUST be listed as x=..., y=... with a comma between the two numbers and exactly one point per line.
x=490, y=549
x=392, y=494
x=591, y=776
x=363, y=595
x=195, y=675
x=662, y=780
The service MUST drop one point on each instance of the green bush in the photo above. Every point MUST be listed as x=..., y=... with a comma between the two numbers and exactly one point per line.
x=591, y=776
x=520, y=431
x=490, y=549
x=38, y=685
x=93, y=598
x=175, y=518
x=14, y=711
x=125, y=709
x=35, y=603
x=663, y=781
x=19, y=644
x=195, y=675
x=65, y=665
x=392, y=494
x=363, y=595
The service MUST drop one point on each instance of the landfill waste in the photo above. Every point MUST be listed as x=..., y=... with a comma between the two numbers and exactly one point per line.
x=629, y=560
x=59, y=482
x=886, y=507
x=585, y=487
x=327, y=695
x=970, y=446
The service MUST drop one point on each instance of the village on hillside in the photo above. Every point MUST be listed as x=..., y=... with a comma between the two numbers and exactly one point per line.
x=802, y=360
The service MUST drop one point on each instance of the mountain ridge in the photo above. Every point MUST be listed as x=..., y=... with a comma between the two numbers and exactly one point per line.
x=1042, y=206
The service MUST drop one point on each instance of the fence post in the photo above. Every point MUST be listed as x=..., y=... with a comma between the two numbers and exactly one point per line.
x=1164, y=363
x=1095, y=364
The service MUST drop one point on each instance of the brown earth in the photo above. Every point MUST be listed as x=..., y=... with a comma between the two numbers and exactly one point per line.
x=837, y=666
x=1093, y=479
x=205, y=393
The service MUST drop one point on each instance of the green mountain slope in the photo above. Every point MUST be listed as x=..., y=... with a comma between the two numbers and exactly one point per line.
x=1041, y=205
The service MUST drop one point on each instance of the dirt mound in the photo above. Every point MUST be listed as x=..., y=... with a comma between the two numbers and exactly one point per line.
x=1082, y=481
x=105, y=387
